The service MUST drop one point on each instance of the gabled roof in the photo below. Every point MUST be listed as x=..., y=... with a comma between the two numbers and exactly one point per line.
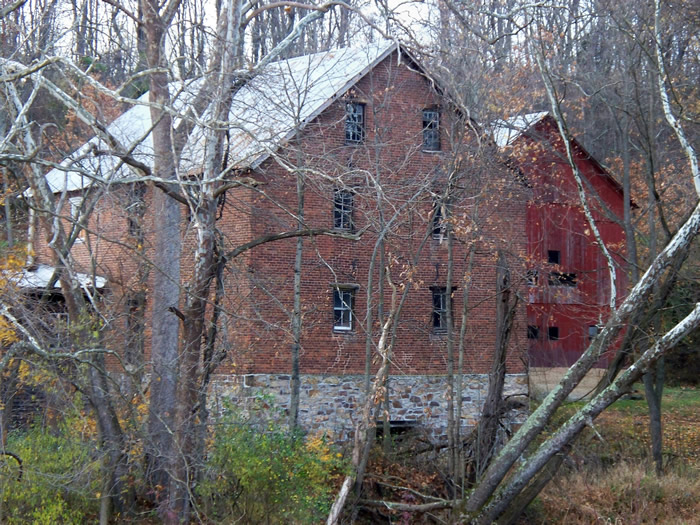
x=266, y=111
x=506, y=132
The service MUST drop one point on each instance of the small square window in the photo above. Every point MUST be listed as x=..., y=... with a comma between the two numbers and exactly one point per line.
x=354, y=123
x=342, y=308
x=439, y=314
x=554, y=257
x=533, y=332
x=553, y=333
x=592, y=332
x=342, y=209
x=431, y=130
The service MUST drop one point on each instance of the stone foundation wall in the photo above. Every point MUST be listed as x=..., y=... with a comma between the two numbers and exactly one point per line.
x=330, y=402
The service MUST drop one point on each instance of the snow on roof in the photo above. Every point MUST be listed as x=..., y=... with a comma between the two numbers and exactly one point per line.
x=506, y=131
x=40, y=276
x=265, y=112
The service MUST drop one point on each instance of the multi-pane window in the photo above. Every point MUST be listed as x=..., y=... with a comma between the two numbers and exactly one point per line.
x=431, y=130
x=438, y=224
x=342, y=209
x=439, y=315
x=342, y=308
x=354, y=123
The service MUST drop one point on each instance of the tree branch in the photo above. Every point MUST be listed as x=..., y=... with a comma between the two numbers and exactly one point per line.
x=292, y=234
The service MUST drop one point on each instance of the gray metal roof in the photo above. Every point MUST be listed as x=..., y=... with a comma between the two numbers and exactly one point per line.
x=505, y=132
x=266, y=111
x=39, y=277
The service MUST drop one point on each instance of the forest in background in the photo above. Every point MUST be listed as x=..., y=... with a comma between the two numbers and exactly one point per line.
x=622, y=77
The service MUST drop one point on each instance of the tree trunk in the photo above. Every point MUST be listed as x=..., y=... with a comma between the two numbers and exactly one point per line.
x=653, y=388
x=295, y=382
x=487, y=431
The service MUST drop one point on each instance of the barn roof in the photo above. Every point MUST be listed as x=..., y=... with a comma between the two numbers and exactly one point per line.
x=266, y=111
x=505, y=132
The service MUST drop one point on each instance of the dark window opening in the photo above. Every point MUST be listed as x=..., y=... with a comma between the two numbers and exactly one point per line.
x=342, y=209
x=562, y=279
x=531, y=277
x=554, y=257
x=431, y=130
x=533, y=332
x=342, y=308
x=439, y=314
x=354, y=123
x=553, y=333
x=396, y=427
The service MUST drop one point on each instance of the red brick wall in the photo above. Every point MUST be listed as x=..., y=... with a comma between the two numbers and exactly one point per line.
x=489, y=213
x=395, y=97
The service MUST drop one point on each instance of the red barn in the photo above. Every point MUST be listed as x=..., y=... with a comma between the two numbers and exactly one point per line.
x=568, y=277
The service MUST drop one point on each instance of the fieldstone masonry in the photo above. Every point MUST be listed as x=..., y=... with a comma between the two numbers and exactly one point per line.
x=330, y=403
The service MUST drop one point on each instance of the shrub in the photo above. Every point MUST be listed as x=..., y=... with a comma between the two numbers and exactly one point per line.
x=267, y=475
x=59, y=482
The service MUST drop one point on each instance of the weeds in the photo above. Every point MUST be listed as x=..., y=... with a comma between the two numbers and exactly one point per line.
x=611, y=481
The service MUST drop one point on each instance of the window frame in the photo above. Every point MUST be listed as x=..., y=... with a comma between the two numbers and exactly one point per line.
x=76, y=205
x=343, y=210
x=343, y=304
x=354, y=122
x=75, y=208
x=438, y=313
x=437, y=221
x=431, y=130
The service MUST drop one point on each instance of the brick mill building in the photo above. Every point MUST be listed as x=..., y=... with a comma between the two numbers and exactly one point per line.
x=376, y=146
